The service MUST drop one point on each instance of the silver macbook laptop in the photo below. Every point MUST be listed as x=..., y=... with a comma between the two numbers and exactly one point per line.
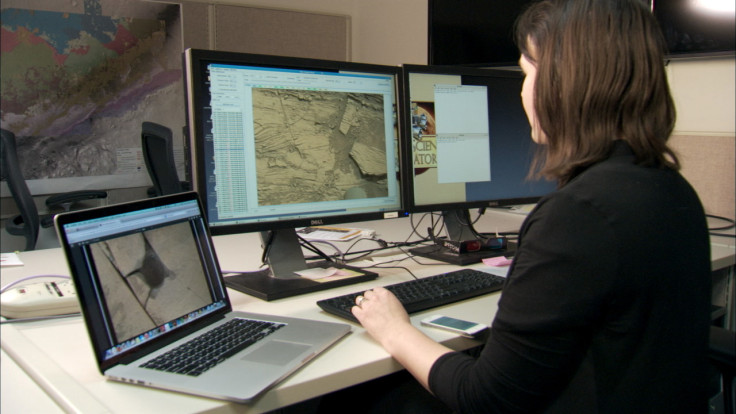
x=157, y=310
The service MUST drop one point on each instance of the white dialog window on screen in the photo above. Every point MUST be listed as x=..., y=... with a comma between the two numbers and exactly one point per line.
x=463, y=146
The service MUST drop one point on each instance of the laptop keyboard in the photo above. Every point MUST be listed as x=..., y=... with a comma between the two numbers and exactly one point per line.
x=209, y=349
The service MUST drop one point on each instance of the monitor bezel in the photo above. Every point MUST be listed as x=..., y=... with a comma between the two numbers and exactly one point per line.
x=408, y=182
x=194, y=61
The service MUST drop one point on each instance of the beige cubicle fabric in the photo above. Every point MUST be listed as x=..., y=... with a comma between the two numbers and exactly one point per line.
x=266, y=31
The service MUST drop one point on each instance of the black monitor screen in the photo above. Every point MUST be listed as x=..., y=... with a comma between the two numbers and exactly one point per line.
x=481, y=32
x=697, y=27
x=473, y=32
x=470, y=142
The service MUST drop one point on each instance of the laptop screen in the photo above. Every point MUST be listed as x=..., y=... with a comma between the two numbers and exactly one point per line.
x=142, y=271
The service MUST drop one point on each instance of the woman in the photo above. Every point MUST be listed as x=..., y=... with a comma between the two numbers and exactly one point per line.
x=606, y=306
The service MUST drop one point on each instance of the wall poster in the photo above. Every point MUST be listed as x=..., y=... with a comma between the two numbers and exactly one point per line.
x=77, y=79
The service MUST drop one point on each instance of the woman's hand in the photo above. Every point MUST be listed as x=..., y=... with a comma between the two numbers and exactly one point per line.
x=381, y=314
x=386, y=320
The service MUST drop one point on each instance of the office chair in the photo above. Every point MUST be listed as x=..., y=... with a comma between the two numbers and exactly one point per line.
x=158, y=153
x=29, y=222
x=723, y=357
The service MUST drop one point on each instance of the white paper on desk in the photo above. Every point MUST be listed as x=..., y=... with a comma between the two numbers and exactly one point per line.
x=499, y=261
x=494, y=270
x=327, y=274
x=10, y=259
x=327, y=234
x=522, y=209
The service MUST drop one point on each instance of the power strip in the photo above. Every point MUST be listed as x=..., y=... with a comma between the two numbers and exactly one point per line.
x=39, y=299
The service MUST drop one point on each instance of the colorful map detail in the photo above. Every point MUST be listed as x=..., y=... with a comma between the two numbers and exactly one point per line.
x=63, y=76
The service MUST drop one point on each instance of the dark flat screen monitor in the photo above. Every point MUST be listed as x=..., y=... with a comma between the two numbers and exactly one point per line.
x=481, y=32
x=473, y=32
x=279, y=143
x=697, y=28
x=468, y=145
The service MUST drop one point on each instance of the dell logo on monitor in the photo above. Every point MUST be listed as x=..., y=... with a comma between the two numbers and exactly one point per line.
x=316, y=222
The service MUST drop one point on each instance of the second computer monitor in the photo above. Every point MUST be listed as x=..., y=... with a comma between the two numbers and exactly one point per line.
x=468, y=143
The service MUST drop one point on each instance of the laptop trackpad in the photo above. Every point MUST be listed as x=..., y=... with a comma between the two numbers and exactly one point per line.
x=276, y=352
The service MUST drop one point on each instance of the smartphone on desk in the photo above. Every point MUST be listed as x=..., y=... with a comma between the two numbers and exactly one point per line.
x=458, y=326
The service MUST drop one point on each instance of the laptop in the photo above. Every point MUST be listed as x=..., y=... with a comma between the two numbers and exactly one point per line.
x=149, y=284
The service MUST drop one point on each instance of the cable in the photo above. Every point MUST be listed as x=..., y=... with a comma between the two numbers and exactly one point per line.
x=380, y=266
x=23, y=279
x=267, y=247
x=384, y=246
x=347, y=255
x=723, y=235
x=39, y=318
x=413, y=257
x=364, y=253
x=306, y=243
x=414, y=226
x=337, y=253
x=731, y=223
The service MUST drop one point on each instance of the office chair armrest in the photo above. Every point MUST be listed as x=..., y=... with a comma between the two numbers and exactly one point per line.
x=15, y=225
x=65, y=200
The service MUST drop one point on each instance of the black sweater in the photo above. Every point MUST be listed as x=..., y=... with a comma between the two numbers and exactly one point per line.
x=606, y=307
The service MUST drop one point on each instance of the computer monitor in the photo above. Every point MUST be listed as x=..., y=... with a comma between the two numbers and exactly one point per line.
x=468, y=145
x=476, y=33
x=279, y=143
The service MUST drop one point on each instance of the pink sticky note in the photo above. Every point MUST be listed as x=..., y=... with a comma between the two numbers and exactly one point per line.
x=499, y=261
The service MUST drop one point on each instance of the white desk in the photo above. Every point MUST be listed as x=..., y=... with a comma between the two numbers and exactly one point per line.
x=59, y=366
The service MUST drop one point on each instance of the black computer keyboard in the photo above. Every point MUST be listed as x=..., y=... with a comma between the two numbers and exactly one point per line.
x=425, y=293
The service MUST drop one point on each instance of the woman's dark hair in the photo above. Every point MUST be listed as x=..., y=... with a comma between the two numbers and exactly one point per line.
x=600, y=78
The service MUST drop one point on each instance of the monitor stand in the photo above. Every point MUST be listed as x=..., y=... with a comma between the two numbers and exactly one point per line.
x=285, y=257
x=460, y=228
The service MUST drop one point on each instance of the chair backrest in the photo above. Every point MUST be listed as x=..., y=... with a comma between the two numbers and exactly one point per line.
x=27, y=224
x=158, y=153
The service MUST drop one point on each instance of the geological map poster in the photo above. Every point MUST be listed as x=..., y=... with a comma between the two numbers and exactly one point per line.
x=76, y=81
